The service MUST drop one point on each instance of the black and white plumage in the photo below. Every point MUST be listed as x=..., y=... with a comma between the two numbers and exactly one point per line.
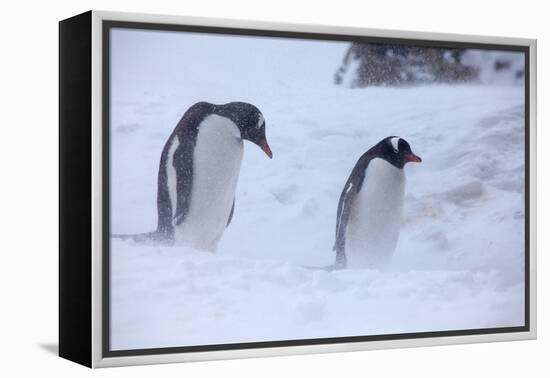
x=199, y=170
x=370, y=206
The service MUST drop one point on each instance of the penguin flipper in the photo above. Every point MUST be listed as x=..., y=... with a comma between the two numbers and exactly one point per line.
x=231, y=213
x=184, y=178
x=352, y=187
x=342, y=218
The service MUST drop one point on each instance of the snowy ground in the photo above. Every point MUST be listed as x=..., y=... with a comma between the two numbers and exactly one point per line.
x=459, y=262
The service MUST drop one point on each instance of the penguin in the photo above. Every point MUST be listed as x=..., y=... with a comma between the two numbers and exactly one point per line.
x=198, y=173
x=371, y=204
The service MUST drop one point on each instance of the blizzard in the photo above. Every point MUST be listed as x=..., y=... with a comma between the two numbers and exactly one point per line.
x=459, y=261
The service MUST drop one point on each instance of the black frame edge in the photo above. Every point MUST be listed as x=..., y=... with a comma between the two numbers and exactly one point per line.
x=75, y=216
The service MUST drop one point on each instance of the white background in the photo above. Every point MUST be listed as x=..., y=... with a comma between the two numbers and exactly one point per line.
x=28, y=151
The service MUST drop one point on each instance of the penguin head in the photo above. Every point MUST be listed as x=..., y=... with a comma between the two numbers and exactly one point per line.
x=251, y=124
x=397, y=151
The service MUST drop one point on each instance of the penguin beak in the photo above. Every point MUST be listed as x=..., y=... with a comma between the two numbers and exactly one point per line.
x=412, y=157
x=265, y=148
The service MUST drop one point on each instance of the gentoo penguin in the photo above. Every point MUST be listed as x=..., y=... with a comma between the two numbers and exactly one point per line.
x=370, y=206
x=198, y=172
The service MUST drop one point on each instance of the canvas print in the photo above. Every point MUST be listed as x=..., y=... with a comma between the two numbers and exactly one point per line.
x=275, y=188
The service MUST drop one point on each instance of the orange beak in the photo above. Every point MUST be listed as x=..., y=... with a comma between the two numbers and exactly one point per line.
x=412, y=157
x=265, y=148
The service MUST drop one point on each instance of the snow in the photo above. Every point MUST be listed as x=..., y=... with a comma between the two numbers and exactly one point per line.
x=459, y=262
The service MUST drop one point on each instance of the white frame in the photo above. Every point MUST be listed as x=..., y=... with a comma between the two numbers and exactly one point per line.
x=97, y=358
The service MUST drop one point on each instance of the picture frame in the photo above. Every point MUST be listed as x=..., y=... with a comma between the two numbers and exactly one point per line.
x=86, y=157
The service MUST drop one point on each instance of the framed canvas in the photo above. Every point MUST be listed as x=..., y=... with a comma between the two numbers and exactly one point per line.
x=237, y=189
